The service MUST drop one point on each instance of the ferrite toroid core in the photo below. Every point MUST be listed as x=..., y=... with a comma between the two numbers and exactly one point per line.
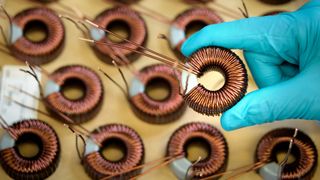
x=38, y=167
x=216, y=102
x=217, y=147
x=81, y=109
x=97, y=166
x=44, y=50
x=131, y=21
x=153, y=110
x=303, y=150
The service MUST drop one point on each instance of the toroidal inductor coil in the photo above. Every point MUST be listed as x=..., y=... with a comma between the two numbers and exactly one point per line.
x=37, y=167
x=210, y=102
x=179, y=26
x=80, y=109
x=303, y=150
x=152, y=110
x=97, y=166
x=37, y=51
x=131, y=21
x=217, y=159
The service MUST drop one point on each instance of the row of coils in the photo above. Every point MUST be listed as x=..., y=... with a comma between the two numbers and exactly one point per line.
x=45, y=162
x=52, y=45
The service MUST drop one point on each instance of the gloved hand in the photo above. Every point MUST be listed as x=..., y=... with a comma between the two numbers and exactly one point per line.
x=283, y=54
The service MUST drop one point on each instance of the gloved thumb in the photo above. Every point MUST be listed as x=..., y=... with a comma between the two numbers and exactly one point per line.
x=288, y=99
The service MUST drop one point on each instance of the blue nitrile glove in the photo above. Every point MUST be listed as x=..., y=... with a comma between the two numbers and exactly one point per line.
x=283, y=53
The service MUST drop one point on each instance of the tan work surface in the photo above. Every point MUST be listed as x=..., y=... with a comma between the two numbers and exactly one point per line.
x=241, y=143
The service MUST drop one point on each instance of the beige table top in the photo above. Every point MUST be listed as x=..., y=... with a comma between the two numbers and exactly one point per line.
x=241, y=142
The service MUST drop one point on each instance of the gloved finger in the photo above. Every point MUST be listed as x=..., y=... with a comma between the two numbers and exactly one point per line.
x=289, y=99
x=289, y=70
x=266, y=69
x=269, y=35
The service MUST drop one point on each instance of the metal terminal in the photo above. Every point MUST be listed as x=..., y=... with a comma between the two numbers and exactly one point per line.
x=190, y=172
x=285, y=160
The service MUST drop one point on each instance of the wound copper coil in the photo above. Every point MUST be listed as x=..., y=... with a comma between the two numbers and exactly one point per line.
x=79, y=109
x=303, y=150
x=275, y=2
x=43, y=164
x=97, y=166
x=37, y=52
x=217, y=147
x=128, y=18
x=157, y=110
x=191, y=17
x=210, y=102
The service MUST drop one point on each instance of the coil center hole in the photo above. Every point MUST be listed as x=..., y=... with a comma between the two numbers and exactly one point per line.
x=119, y=27
x=73, y=89
x=197, y=147
x=114, y=150
x=35, y=31
x=194, y=26
x=158, y=89
x=280, y=151
x=29, y=145
x=213, y=79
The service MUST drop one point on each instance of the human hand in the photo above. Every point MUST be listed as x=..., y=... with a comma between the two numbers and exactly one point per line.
x=283, y=54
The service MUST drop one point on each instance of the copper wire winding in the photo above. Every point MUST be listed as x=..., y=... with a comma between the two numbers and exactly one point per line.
x=46, y=50
x=158, y=111
x=194, y=15
x=137, y=32
x=81, y=109
x=44, y=163
x=98, y=167
x=209, y=102
x=218, y=153
x=303, y=150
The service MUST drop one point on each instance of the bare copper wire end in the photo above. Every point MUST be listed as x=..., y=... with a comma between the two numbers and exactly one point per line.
x=137, y=33
x=45, y=50
x=202, y=16
x=210, y=102
x=81, y=109
x=44, y=163
x=303, y=149
x=98, y=167
x=158, y=111
x=216, y=161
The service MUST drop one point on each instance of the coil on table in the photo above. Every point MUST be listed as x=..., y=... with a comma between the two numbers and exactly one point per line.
x=177, y=33
x=97, y=166
x=137, y=33
x=43, y=164
x=216, y=102
x=152, y=110
x=37, y=52
x=80, y=109
x=275, y=2
x=304, y=151
x=218, y=149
